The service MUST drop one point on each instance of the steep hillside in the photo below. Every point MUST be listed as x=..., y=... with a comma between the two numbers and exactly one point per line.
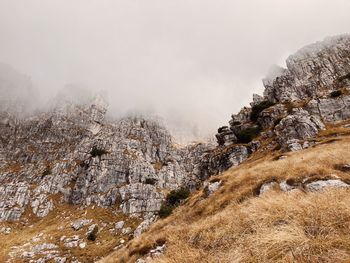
x=71, y=164
x=275, y=206
x=271, y=208
x=76, y=186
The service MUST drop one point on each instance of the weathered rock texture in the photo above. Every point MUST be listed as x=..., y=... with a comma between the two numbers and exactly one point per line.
x=74, y=153
x=311, y=71
x=298, y=101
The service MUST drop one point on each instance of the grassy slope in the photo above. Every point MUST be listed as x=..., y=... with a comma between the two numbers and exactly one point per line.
x=58, y=224
x=235, y=225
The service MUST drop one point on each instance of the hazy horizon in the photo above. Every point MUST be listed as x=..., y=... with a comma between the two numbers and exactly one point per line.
x=192, y=62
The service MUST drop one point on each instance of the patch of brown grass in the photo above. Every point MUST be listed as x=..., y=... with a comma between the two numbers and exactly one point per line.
x=335, y=129
x=234, y=225
x=158, y=166
x=14, y=168
x=58, y=224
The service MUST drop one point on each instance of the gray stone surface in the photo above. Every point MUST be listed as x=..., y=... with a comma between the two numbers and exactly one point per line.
x=324, y=184
x=210, y=188
x=267, y=187
x=330, y=109
x=51, y=153
x=297, y=127
x=119, y=225
x=310, y=70
x=307, y=185
x=77, y=225
x=145, y=225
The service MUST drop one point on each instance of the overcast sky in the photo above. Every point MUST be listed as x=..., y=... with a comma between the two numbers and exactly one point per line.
x=191, y=61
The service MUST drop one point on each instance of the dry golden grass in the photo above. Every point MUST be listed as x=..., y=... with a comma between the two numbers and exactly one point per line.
x=235, y=225
x=58, y=224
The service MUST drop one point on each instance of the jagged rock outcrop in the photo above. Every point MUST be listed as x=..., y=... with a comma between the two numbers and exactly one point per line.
x=270, y=117
x=222, y=158
x=73, y=152
x=308, y=184
x=225, y=136
x=298, y=101
x=296, y=128
x=330, y=109
x=311, y=71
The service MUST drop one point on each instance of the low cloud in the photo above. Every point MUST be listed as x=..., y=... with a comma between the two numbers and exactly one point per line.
x=192, y=62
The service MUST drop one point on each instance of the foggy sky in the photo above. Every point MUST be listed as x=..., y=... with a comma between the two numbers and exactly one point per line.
x=194, y=62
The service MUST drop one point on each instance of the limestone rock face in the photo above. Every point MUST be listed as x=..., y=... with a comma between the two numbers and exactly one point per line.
x=73, y=152
x=298, y=126
x=256, y=99
x=242, y=117
x=268, y=118
x=310, y=70
x=225, y=136
x=222, y=158
x=13, y=200
x=330, y=109
x=140, y=198
x=298, y=100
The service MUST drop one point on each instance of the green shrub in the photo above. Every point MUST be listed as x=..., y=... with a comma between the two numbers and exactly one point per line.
x=256, y=109
x=176, y=196
x=336, y=93
x=172, y=200
x=165, y=210
x=93, y=234
x=346, y=76
x=97, y=152
x=249, y=134
x=151, y=181
x=47, y=171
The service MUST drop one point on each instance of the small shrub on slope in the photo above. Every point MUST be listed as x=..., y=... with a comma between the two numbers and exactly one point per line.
x=173, y=199
x=256, y=109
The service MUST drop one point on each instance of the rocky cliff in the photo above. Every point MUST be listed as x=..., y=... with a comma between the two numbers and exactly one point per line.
x=73, y=152
x=298, y=102
x=72, y=155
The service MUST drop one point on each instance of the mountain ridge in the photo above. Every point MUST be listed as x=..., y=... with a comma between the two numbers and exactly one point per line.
x=72, y=157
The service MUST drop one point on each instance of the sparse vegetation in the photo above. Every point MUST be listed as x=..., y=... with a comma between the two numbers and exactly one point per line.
x=336, y=93
x=257, y=109
x=47, y=171
x=150, y=181
x=249, y=134
x=342, y=78
x=95, y=151
x=158, y=166
x=237, y=226
x=173, y=199
x=93, y=234
x=289, y=106
x=165, y=210
x=176, y=196
x=62, y=216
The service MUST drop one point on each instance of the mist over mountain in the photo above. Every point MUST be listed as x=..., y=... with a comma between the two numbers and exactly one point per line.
x=157, y=131
x=191, y=62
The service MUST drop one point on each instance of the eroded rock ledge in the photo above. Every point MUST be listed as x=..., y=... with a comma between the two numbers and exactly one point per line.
x=298, y=101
